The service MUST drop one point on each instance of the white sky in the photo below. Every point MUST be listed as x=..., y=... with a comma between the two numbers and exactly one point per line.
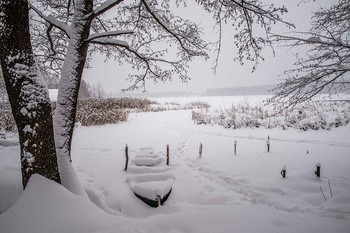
x=229, y=74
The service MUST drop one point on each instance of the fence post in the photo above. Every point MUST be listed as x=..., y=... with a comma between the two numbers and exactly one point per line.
x=167, y=154
x=318, y=170
x=126, y=156
x=268, y=143
x=235, y=146
x=200, y=150
x=283, y=172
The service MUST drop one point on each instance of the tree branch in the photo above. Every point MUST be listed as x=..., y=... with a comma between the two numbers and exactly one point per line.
x=107, y=5
x=166, y=28
x=51, y=20
x=108, y=34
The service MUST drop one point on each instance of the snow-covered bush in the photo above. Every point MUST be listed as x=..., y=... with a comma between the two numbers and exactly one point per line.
x=173, y=106
x=310, y=116
x=201, y=117
x=197, y=104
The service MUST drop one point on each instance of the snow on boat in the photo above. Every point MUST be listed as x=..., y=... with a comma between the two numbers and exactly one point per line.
x=149, y=178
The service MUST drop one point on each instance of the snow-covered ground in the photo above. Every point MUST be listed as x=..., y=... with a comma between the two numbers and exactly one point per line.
x=220, y=192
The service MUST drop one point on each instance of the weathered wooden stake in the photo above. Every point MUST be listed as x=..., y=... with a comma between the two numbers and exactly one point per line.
x=283, y=172
x=235, y=146
x=126, y=156
x=200, y=150
x=167, y=154
x=268, y=143
x=318, y=170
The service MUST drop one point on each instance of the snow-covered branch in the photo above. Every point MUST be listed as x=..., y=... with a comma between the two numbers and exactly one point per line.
x=52, y=21
x=104, y=7
x=109, y=41
x=109, y=34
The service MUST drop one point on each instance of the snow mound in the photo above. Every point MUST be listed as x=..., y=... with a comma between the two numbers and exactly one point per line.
x=142, y=178
x=46, y=206
x=148, y=178
x=145, y=169
x=147, y=161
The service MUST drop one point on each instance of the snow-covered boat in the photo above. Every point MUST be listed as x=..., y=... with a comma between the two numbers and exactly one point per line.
x=149, y=178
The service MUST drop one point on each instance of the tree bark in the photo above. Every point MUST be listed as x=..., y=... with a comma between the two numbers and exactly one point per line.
x=67, y=99
x=28, y=94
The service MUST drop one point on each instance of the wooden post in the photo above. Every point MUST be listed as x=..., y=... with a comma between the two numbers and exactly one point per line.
x=268, y=143
x=200, y=150
x=318, y=170
x=235, y=146
x=167, y=154
x=283, y=172
x=126, y=156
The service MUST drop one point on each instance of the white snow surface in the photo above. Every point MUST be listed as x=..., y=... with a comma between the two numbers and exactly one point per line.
x=145, y=161
x=221, y=192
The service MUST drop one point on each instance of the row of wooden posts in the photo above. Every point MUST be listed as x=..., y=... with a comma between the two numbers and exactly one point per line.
x=200, y=151
x=283, y=171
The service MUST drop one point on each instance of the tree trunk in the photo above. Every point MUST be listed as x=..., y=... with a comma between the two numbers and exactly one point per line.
x=68, y=93
x=28, y=95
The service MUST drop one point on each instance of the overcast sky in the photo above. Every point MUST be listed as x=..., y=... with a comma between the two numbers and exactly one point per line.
x=229, y=74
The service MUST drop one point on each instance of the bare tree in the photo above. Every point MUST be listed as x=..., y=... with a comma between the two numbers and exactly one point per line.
x=326, y=65
x=99, y=90
x=144, y=33
x=84, y=90
x=27, y=93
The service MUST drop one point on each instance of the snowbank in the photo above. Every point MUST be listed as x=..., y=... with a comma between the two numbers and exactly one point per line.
x=46, y=206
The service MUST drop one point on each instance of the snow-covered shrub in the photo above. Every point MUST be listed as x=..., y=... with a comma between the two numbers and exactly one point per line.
x=201, y=117
x=197, y=104
x=173, y=106
x=310, y=116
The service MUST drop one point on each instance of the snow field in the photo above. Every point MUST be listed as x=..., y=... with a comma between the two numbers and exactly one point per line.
x=251, y=178
x=221, y=192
